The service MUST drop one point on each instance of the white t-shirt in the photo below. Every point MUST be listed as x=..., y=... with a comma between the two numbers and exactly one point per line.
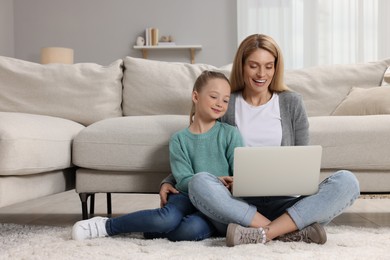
x=259, y=125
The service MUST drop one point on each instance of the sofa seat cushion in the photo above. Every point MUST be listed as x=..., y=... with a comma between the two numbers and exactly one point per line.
x=134, y=143
x=19, y=188
x=96, y=181
x=35, y=143
x=352, y=142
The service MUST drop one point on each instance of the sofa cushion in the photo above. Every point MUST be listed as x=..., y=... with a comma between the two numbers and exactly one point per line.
x=352, y=142
x=324, y=88
x=15, y=189
x=156, y=87
x=134, y=143
x=83, y=92
x=35, y=143
x=386, y=78
x=96, y=181
x=365, y=101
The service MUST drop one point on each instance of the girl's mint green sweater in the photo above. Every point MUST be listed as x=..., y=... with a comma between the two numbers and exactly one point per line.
x=210, y=152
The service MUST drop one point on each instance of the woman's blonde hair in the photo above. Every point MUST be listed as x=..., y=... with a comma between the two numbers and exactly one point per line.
x=249, y=45
x=202, y=81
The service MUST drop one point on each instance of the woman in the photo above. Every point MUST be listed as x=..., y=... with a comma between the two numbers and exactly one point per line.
x=267, y=113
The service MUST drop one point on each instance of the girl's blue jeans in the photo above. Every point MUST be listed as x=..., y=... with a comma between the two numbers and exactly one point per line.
x=213, y=199
x=178, y=220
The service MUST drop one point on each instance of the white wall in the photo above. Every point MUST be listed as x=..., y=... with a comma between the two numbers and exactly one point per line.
x=102, y=31
x=7, y=28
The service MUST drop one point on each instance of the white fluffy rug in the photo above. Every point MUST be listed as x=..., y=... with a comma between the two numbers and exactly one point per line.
x=42, y=242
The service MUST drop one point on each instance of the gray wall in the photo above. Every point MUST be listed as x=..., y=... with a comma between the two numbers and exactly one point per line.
x=102, y=31
x=6, y=28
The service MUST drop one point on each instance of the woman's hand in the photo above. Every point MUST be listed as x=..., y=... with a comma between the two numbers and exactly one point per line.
x=227, y=181
x=165, y=189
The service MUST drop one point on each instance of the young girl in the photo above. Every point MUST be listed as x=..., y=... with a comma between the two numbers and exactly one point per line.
x=205, y=146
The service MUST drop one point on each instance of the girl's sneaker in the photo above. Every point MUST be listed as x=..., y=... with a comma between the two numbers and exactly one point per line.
x=90, y=228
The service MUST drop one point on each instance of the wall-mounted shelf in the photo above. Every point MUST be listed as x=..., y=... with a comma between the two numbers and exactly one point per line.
x=191, y=48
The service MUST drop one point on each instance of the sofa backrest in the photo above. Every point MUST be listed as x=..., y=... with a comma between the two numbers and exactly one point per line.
x=323, y=88
x=88, y=92
x=84, y=92
x=156, y=87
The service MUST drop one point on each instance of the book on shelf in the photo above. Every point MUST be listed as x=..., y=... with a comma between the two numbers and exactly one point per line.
x=151, y=36
x=166, y=44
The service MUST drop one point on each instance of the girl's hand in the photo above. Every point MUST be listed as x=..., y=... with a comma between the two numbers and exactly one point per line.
x=227, y=181
x=165, y=189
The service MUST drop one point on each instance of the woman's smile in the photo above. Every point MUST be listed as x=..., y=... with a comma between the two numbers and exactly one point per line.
x=259, y=82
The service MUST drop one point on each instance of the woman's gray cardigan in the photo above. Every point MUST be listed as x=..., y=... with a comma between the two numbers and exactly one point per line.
x=295, y=125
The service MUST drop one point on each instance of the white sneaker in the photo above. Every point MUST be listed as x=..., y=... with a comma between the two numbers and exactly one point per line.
x=90, y=228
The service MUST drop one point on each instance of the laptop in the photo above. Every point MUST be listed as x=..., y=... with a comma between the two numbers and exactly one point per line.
x=276, y=170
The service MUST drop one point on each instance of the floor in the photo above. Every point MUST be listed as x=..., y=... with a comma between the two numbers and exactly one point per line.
x=64, y=209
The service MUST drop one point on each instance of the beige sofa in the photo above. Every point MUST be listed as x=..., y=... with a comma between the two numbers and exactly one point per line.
x=111, y=124
x=42, y=109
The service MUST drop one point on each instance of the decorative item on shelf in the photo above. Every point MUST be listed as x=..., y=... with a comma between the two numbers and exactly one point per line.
x=57, y=55
x=140, y=41
x=165, y=38
x=166, y=41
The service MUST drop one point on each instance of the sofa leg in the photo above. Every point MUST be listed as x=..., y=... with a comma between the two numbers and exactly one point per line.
x=109, y=205
x=84, y=206
x=92, y=204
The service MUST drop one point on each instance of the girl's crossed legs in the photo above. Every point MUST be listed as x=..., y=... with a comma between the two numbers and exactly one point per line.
x=177, y=220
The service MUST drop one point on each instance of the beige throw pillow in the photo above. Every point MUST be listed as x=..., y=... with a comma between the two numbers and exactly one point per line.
x=83, y=92
x=386, y=78
x=365, y=101
x=157, y=87
x=323, y=88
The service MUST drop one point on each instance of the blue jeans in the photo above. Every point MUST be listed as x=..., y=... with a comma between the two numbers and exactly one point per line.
x=211, y=197
x=178, y=220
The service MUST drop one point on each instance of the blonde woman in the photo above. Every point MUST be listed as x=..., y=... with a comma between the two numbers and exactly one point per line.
x=267, y=113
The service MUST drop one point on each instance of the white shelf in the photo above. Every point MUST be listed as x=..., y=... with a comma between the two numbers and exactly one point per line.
x=191, y=48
